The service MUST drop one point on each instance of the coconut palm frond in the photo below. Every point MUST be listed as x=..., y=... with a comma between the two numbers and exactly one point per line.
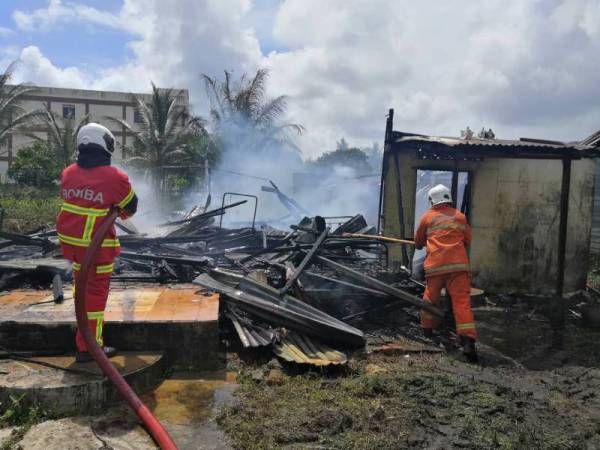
x=120, y=122
x=61, y=135
x=235, y=106
x=272, y=111
x=166, y=129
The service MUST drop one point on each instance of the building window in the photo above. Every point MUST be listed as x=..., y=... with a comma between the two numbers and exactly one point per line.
x=68, y=111
x=137, y=116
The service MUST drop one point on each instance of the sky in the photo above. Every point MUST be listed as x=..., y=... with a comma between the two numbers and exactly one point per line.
x=525, y=68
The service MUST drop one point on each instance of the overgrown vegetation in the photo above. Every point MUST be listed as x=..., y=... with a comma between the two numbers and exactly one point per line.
x=36, y=166
x=26, y=208
x=344, y=156
x=594, y=272
x=20, y=415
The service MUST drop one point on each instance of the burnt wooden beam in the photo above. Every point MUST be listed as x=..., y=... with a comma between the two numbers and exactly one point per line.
x=405, y=260
x=562, y=227
x=290, y=282
x=381, y=286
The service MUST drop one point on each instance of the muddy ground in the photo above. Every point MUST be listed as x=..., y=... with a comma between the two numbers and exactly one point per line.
x=544, y=395
x=534, y=389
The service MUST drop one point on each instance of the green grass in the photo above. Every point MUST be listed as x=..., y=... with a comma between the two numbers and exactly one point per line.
x=27, y=209
x=22, y=416
x=594, y=271
x=411, y=405
x=19, y=413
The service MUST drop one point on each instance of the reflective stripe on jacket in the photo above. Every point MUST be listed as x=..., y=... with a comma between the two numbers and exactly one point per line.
x=88, y=194
x=444, y=231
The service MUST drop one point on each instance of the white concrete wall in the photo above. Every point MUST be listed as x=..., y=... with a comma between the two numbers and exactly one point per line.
x=98, y=104
x=595, y=244
x=515, y=214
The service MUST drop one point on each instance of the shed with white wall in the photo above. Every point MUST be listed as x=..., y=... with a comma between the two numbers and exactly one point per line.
x=529, y=203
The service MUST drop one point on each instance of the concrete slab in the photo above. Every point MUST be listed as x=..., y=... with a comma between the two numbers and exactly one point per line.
x=181, y=322
x=5, y=435
x=124, y=305
x=87, y=433
x=62, y=386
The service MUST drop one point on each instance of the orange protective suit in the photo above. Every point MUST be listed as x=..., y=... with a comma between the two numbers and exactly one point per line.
x=88, y=194
x=444, y=231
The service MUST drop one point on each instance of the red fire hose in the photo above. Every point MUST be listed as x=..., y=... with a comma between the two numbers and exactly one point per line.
x=157, y=431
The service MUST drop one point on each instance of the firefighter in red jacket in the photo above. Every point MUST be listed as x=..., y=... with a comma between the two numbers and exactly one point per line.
x=446, y=234
x=89, y=188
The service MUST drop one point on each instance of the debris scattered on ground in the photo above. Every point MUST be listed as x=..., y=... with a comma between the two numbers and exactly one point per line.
x=345, y=362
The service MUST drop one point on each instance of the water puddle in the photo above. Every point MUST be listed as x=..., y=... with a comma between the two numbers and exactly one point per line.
x=187, y=404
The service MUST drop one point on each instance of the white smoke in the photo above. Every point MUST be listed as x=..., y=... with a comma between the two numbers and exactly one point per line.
x=248, y=163
x=151, y=209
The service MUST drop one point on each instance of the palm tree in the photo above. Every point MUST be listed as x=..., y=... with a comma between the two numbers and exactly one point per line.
x=244, y=115
x=62, y=136
x=164, y=133
x=12, y=113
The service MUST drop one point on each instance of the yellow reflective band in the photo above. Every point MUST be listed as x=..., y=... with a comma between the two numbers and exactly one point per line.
x=107, y=268
x=451, y=267
x=98, y=316
x=82, y=211
x=77, y=242
x=72, y=241
x=99, y=324
x=110, y=243
x=95, y=315
x=465, y=326
x=445, y=226
x=127, y=199
x=89, y=227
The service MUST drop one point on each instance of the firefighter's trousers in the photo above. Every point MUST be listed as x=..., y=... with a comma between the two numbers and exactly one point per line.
x=458, y=287
x=95, y=300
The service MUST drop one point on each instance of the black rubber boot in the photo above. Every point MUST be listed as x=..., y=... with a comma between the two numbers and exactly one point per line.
x=84, y=357
x=469, y=350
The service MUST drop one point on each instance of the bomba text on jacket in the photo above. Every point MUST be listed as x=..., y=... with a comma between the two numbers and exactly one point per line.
x=84, y=194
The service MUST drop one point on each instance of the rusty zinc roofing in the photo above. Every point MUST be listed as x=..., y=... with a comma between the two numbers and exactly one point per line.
x=523, y=147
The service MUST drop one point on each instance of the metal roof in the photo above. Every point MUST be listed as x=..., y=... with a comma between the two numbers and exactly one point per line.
x=294, y=347
x=524, y=147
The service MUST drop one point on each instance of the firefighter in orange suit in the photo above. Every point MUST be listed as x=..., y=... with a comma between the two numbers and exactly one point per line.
x=445, y=233
x=89, y=188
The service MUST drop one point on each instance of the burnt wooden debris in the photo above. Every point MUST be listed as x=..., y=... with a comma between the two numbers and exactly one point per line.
x=297, y=291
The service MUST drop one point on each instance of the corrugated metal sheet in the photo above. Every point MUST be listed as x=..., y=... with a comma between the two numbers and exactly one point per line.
x=593, y=139
x=300, y=349
x=250, y=335
x=474, y=142
x=292, y=347
x=441, y=147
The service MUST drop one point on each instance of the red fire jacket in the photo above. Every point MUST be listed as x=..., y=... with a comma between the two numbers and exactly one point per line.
x=87, y=195
x=446, y=233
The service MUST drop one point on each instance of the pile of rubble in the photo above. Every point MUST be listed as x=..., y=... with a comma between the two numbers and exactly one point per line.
x=294, y=291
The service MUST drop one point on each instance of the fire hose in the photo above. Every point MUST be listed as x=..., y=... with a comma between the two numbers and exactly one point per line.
x=154, y=427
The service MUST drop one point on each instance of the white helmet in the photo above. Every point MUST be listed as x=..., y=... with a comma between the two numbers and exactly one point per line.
x=96, y=136
x=439, y=194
